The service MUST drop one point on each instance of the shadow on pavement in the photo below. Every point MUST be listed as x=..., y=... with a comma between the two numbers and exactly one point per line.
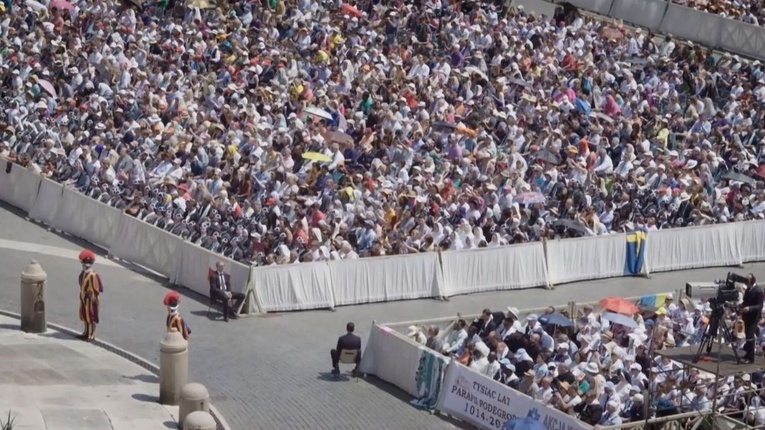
x=213, y=316
x=59, y=335
x=145, y=398
x=150, y=379
x=10, y=327
x=329, y=377
x=170, y=424
x=394, y=391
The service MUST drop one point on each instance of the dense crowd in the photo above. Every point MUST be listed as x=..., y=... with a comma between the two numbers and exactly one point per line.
x=606, y=365
x=748, y=11
x=295, y=130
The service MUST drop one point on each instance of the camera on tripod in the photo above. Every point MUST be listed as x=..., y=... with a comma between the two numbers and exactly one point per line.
x=721, y=291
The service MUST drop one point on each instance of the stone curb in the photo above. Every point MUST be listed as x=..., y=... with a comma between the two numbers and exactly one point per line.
x=220, y=422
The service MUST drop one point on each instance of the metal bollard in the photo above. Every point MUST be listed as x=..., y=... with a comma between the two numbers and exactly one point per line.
x=33, y=280
x=194, y=397
x=199, y=420
x=173, y=367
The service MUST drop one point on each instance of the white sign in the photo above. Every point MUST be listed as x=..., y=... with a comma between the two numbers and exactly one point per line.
x=488, y=404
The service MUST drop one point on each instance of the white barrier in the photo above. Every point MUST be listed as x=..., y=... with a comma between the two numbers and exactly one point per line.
x=752, y=241
x=696, y=25
x=145, y=244
x=192, y=264
x=488, y=404
x=691, y=247
x=19, y=186
x=742, y=38
x=89, y=219
x=400, y=277
x=294, y=287
x=392, y=357
x=644, y=13
x=489, y=269
x=598, y=257
x=601, y=7
x=46, y=205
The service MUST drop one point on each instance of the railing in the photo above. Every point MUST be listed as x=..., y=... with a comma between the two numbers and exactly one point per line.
x=399, y=277
x=682, y=22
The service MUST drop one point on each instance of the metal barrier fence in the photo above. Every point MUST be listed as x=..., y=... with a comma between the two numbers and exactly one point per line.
x=683, y=22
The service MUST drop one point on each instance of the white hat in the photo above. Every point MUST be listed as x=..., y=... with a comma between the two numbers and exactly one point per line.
x=669, y=296
x=413, y=330
x=532, y=317
x=637, y=398
x=513, y=310
x=591, y=368
x=636, y=366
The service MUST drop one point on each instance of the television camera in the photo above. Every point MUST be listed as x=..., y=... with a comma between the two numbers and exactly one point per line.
x=720, y=294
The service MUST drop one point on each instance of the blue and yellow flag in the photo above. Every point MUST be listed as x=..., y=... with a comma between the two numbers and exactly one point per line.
x=633, y=258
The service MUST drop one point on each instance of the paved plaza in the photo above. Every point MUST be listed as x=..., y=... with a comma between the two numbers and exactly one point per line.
x=271, y=372
x=52, y=381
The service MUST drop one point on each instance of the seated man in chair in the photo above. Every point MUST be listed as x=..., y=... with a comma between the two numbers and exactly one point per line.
x=347, y=342
x=220, y=289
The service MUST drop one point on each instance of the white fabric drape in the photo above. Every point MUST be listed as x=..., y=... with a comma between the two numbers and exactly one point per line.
x=690, y=247
x=193, y=264
x=392, y=357
x=571, y=260
x=46, y=205
x=19, y=186
x=400, y=277
x=81, y=216
x=293, y=287
x=752, y=234
x=489, y=269
x=145, y=244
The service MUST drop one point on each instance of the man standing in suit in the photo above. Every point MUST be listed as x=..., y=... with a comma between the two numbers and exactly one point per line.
x=220, y=289
x=751, y=311
x=347, y=342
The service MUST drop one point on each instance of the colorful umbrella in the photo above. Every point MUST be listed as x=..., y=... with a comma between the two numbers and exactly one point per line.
x=618, y=305
x=316, y=156
x=350, y=10
x=60, y=4
x=47, y=86
x=318, y=112
x=530, y=197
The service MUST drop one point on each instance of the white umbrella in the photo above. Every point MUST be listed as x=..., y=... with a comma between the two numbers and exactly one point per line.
x=318, y=112
x=35, y=5
x=477, y=71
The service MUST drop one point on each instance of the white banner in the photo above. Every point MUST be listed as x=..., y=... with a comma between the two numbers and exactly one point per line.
x=489, y=269
x=294, y=287
x=384, y=279
x=18, y=186
x=691, y=247
x=597, y=257
x=194, y=264
x=644, y=13
x=147, y=245
x=89, y=219
x=488, y=404
x=45, y=207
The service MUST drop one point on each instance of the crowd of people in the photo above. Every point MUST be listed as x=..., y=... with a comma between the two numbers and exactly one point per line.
x=605, y=365
x=747, y=11
x=285, y=131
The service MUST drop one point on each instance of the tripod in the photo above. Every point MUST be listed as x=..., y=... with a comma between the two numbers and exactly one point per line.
x=710, y=334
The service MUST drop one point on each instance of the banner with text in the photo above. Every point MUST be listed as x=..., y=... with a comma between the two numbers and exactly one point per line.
x=488, y=404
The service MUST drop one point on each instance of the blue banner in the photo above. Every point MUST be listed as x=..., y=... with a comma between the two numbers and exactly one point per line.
x=430, y=375
x=634, y=256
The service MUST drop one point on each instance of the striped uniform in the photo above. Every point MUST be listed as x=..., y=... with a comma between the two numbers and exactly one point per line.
x=175, y=320
x=90, y=287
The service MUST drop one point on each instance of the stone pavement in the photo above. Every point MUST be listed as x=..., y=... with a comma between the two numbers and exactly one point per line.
x=53, y=381
x=271, y=372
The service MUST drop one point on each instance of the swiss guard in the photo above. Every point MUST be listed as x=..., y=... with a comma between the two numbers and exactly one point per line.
x=90, y=288
x=174, y=319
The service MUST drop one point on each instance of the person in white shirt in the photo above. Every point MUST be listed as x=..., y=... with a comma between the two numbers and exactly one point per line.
x=416, y=334
x=545, y=393
x=456, y=337
x=479, y=361
x=493, y=366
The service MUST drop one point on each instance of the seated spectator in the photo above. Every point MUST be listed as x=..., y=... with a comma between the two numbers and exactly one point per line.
x=433, y=341
x=416, y=334
x=346, y=342
x=220, y=289
x=589, y=409
x=456, y=337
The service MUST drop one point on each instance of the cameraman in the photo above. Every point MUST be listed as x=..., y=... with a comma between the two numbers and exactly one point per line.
x=751, y=310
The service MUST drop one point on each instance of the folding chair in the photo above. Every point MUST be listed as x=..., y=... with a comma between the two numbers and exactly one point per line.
x=213, y=301
x=349, y=357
